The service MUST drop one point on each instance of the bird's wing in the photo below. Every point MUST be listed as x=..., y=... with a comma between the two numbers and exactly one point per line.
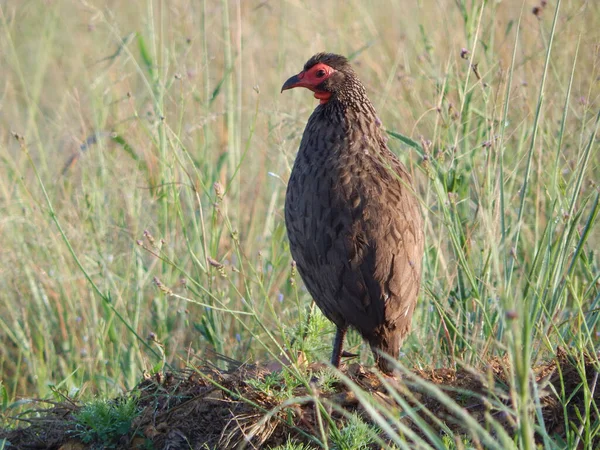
x=376, y=256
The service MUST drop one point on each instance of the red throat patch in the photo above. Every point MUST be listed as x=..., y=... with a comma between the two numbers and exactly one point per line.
x=323, y=96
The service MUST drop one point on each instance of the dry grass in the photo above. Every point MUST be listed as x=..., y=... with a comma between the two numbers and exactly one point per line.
x=144, y=152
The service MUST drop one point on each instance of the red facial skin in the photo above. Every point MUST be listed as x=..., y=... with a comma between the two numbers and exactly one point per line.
x=310, y=79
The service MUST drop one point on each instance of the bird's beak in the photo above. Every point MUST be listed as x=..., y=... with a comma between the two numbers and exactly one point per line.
x=292, y=82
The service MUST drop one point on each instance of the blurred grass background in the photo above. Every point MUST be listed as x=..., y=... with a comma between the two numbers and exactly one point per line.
x=158, y=134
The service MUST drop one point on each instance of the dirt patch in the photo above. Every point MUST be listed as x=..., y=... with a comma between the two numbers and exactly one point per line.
x=250, y=405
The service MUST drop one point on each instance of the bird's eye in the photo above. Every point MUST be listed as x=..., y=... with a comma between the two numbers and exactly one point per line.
x=320, y=73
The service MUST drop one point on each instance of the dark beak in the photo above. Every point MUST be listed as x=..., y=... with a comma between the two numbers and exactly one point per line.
x=292, y=82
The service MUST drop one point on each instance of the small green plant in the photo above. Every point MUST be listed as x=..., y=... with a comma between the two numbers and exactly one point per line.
x=312, y=335
x=268, y=384
x=3, y=397
x=327, y=380
x=105, y=421
x=451, y=443
x=291, y=445
x=280, y=385
x=356, y=434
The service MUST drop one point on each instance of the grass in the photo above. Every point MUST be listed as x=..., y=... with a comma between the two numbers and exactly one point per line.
x=144, y=153
x=105, y=422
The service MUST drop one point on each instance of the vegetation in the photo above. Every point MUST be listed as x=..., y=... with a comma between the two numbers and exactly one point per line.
x=104, y=421
x=144, y=153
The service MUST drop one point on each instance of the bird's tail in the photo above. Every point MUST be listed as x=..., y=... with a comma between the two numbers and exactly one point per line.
x=388, y=346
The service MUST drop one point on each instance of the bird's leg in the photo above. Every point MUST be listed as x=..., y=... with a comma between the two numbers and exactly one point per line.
x=338, y=344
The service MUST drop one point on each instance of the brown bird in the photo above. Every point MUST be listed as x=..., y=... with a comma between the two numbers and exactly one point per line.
x=353, y=221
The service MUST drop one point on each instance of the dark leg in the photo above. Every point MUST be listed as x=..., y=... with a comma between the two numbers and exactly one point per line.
x=338, y=345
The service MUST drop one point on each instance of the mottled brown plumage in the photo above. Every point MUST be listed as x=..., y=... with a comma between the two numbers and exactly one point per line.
x=353, y=222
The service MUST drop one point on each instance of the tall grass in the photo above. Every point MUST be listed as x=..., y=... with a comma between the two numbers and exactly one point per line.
x=144, y=154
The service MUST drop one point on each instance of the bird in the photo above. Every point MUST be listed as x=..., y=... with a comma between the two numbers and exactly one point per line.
x=353, y=219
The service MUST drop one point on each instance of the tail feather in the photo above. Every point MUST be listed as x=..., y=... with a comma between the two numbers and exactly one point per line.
x=389, y=345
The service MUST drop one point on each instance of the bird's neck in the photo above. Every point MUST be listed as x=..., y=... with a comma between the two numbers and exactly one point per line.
x=353, y=102
x=337, y=130
x=353, y=114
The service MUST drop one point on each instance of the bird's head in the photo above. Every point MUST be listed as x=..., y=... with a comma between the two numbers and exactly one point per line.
x=324, y=74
